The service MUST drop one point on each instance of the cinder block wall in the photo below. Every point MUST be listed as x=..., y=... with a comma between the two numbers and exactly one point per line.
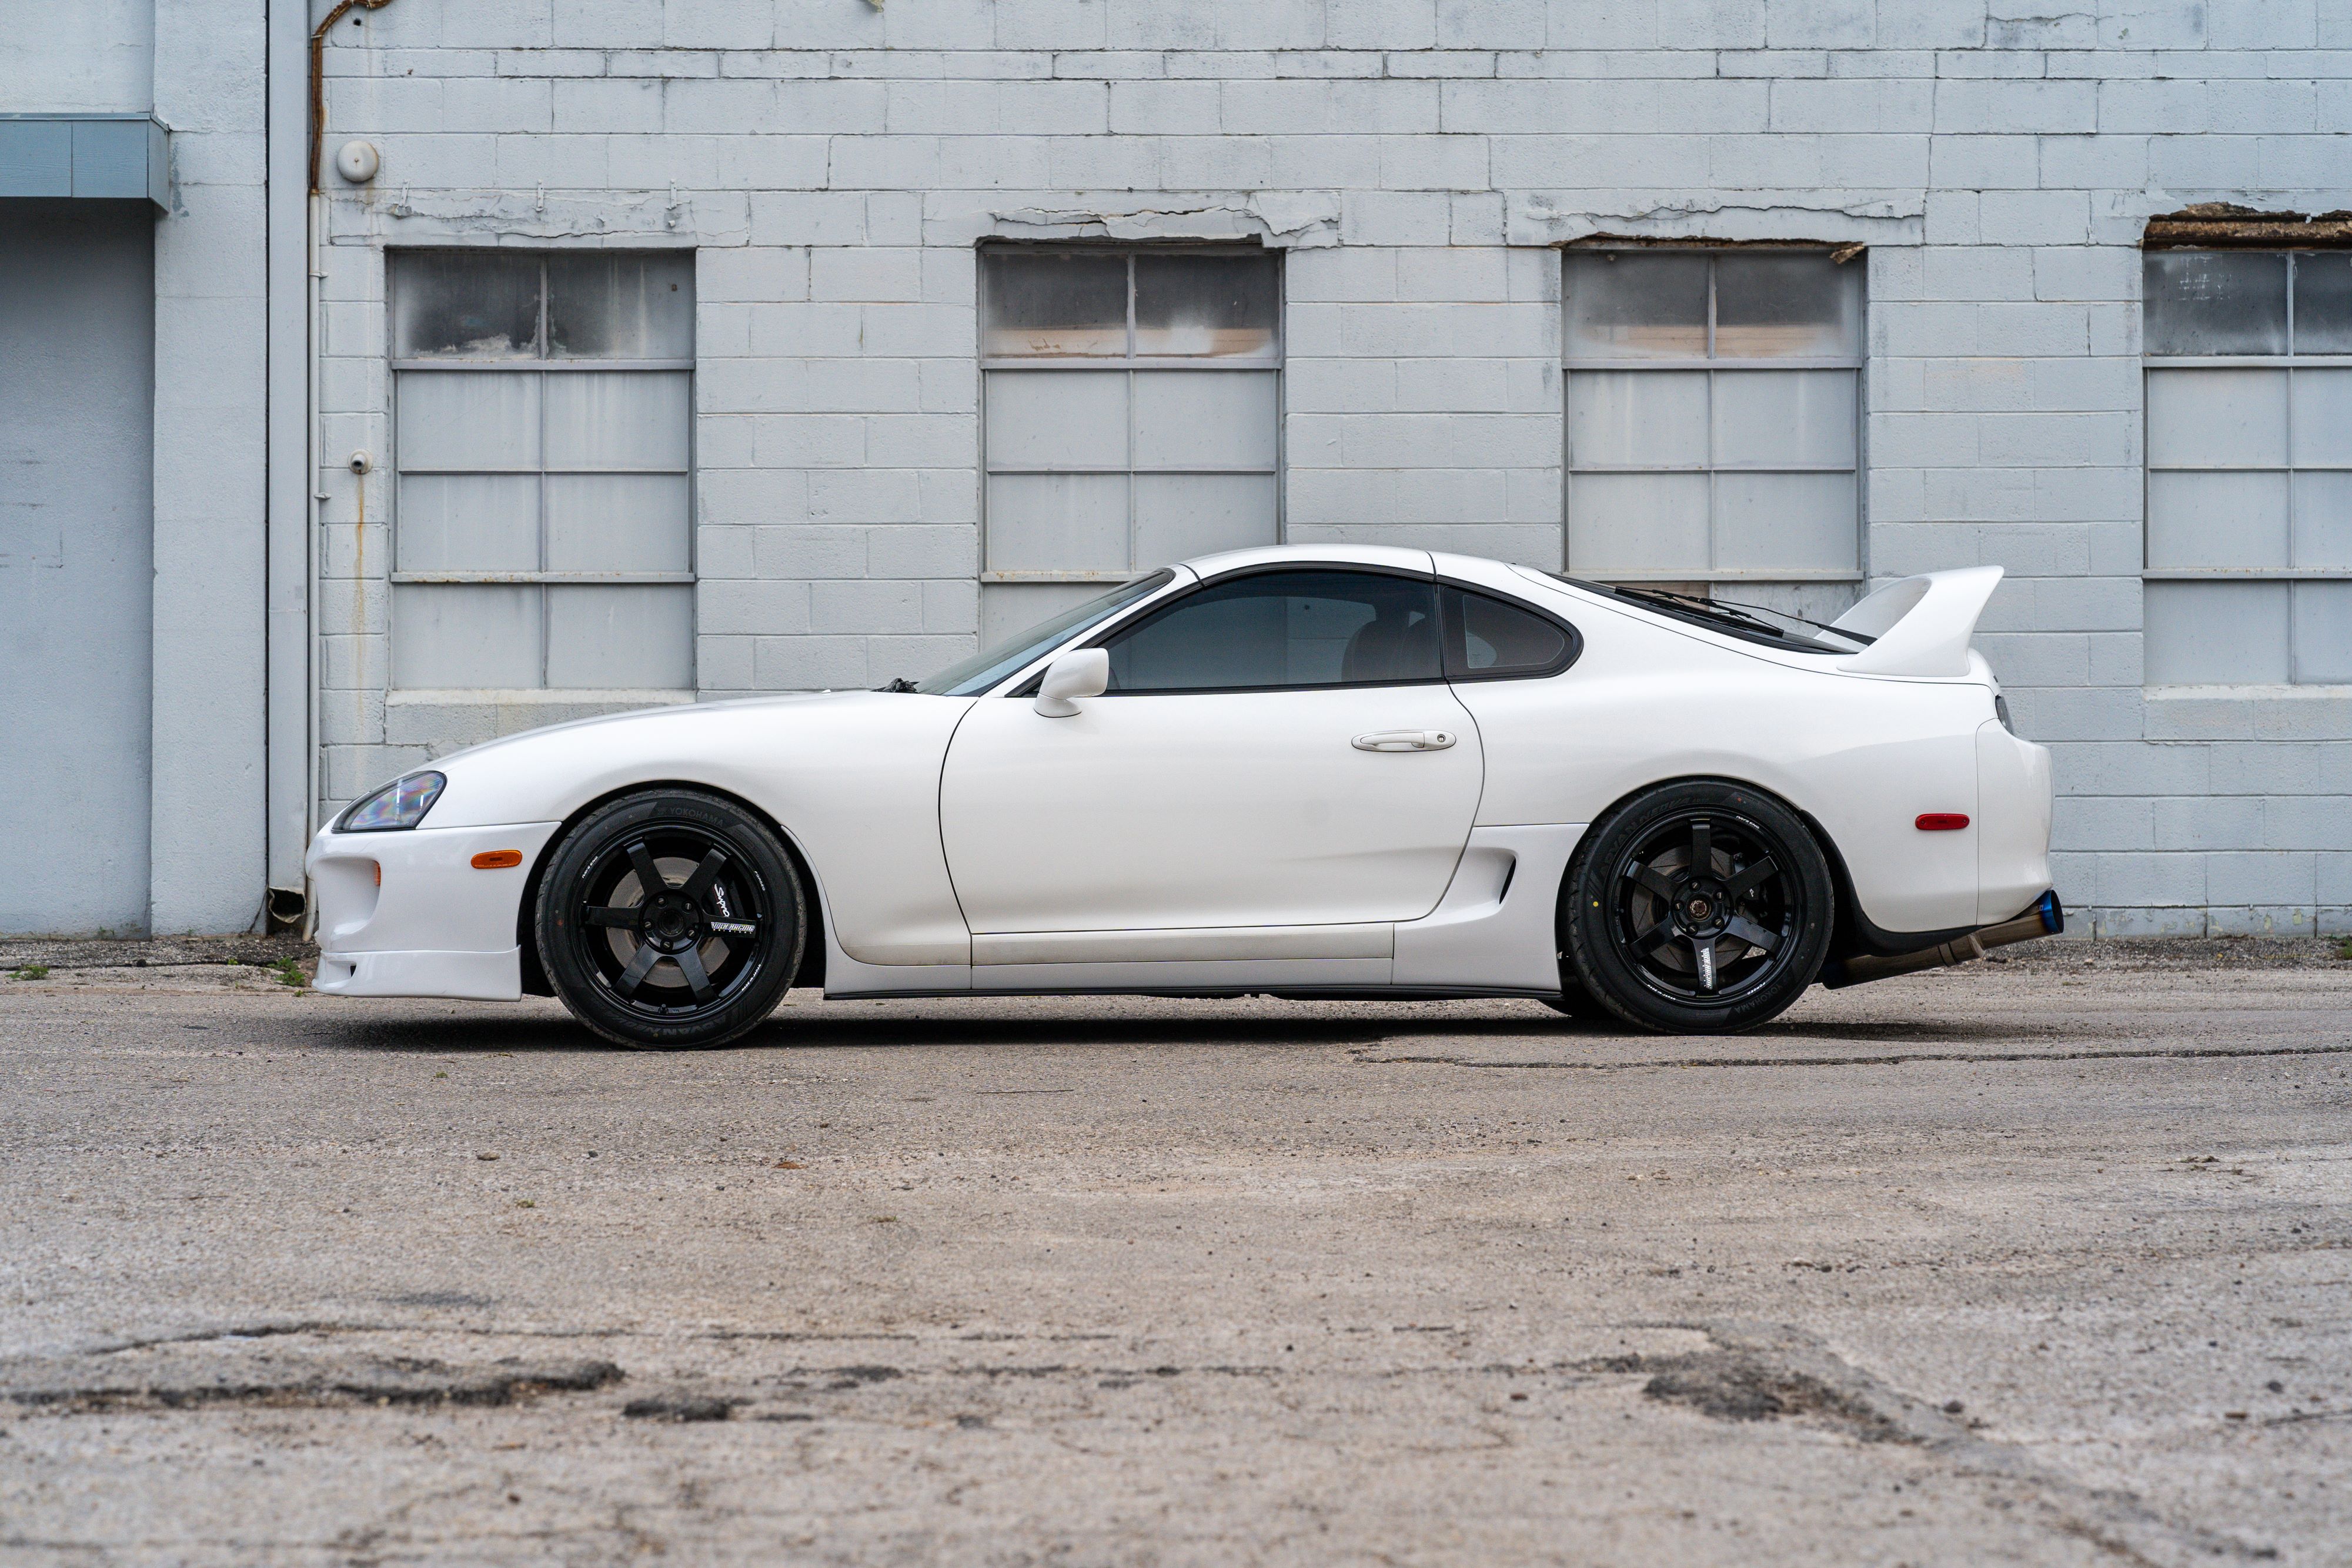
x=1418, y=162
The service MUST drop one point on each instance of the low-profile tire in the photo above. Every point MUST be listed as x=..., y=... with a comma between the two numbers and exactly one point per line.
x=695, y=962
x=1698, y=908
x=1576, y=1001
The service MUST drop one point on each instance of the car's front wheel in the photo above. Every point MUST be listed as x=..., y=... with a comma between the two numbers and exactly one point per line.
x=1697, y=908
x=670, y=919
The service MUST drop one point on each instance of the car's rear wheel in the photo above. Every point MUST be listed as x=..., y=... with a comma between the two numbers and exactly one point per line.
x=1697, y=908
x=670, y=919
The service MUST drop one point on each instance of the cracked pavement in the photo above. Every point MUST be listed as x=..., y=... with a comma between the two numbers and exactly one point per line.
x=2042, y=1261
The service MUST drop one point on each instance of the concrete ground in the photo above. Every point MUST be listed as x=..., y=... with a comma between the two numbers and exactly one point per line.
x=2039, y=1261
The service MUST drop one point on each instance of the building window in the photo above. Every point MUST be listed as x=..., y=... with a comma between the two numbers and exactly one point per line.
x=1131, y=405
x=1714, y=404
x=2249, y=448
x=543, y=439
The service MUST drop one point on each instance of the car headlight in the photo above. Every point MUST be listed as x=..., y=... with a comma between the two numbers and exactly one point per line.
x=399, y=804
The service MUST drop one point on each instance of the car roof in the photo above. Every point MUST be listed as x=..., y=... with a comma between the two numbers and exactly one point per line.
x=1341, y=554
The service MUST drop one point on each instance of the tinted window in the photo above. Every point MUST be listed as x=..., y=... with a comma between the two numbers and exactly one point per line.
x=1488, y=638
x=1285, y=628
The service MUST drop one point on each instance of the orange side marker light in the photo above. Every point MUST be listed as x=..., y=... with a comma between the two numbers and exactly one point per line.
x=1928, y=822
x=499, y=859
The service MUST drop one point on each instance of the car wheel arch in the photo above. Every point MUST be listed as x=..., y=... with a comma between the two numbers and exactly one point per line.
x=812, y=967
x=1830, y=850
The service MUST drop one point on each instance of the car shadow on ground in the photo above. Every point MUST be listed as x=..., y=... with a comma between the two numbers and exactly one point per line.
x=812, y=1031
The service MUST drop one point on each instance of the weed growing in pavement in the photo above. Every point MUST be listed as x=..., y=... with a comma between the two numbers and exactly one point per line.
x=2344, y=949
x=41, y=971
x=289, y=973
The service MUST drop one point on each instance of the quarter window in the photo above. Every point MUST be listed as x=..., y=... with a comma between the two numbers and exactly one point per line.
x=1713, y=407
x=1488, y=640
x=1285, y=629
x=1131, y=417
x=542, y=509
x=2249, y=542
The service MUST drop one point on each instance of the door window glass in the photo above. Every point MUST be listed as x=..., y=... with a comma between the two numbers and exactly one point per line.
x=1285, y=628
x=1488, y=639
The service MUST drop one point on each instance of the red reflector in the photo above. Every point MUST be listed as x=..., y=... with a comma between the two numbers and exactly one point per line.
x=495, y=860
x=1929, y=822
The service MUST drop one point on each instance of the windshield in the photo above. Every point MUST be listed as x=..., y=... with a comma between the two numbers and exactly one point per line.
x=1733, y=618
x=990, y=665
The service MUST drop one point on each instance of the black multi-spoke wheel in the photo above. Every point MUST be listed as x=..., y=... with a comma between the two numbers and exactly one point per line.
x=1697, y=908
x=670, y=919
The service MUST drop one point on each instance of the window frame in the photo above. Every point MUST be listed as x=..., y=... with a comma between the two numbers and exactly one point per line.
x=1710, y=365
x=540, y=363
x=1448, y=634
x=2153, y=364
x=1156, y=610
x=1129, y=363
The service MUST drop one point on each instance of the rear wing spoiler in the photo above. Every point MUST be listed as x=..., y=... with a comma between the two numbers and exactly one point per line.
x=1922, y=625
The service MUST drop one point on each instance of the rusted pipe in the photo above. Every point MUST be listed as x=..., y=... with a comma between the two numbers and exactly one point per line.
x=2046, y=918
x=319, y=77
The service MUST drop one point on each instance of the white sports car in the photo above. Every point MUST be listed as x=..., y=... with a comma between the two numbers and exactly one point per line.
x=1326, y=772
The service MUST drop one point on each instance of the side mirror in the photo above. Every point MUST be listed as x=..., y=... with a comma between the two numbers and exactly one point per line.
x=1082, y=672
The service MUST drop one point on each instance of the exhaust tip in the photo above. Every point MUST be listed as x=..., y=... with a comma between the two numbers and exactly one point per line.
x=2053, y=913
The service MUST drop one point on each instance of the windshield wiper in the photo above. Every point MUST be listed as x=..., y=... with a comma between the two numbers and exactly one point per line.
x=1733, y=611
x=1801, y=620
x=899, y=684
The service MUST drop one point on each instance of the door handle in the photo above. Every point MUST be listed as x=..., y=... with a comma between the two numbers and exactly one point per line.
x=1405, y=740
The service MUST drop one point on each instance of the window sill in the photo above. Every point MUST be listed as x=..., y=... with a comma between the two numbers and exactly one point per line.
x=2302, y=692
x=559, y=696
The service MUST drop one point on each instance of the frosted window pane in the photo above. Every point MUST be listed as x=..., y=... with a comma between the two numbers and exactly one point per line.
x=1058, y=522
x=1766, y=417
x=1053, y=304
x=1637, y=306
x=2323, y=633
x=618, y=419
x=2222, y=419
x=1204, y=419
x=465, y=305
x=1213, y=306
x=1057, y=419
x=619, y=307
x=464, y=636
x=468, y=418
x=2214, y=302
x=1795, y=522
x=617, y=522
x=2216, y=519
x=1636, y=417
x=1786, y=305
x=1179, y=515
x=2322, y=302
x=1636, y=522
x=2323, y=520
x=2216, y=633
x=468, y=522
x=635, y=637
x=2323, y=417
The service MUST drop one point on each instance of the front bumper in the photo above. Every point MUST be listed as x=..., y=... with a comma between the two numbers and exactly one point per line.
x=406, y=913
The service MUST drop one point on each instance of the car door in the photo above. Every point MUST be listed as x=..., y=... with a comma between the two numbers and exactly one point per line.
x=1277, y=748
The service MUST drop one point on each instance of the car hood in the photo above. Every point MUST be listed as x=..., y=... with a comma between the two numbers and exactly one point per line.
x=752, y=747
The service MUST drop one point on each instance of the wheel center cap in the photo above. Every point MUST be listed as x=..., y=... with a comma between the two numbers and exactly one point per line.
x=670, y=925
x=1703, y=910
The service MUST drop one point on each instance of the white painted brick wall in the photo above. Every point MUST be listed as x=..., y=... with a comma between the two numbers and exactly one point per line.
x=1418, y=162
